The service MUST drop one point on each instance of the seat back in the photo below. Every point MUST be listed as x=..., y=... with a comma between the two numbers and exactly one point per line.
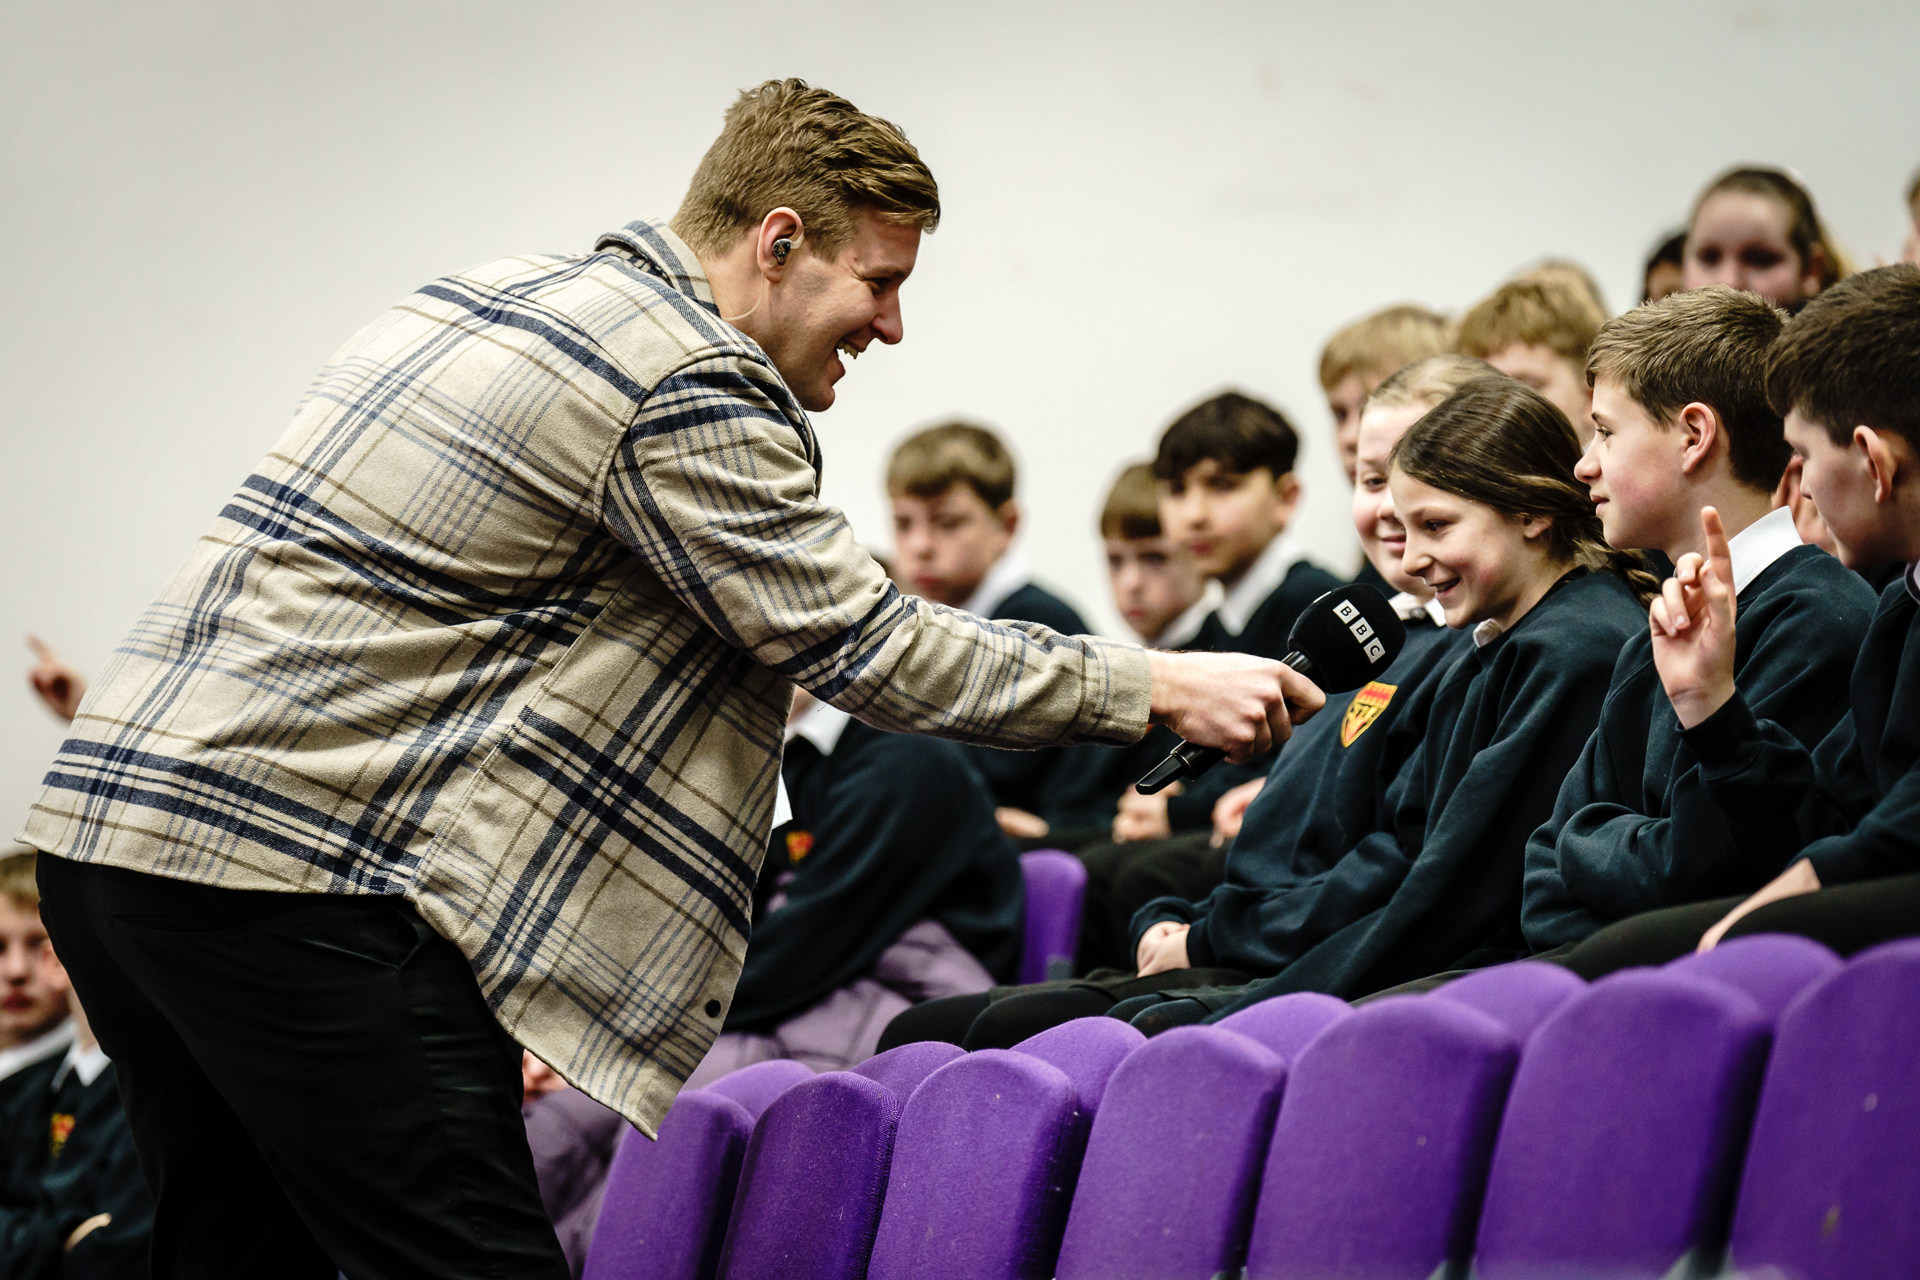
x=1381, y=1145
x=1088, y=1050
x=903, y=1067
x=1624, y=1130
x=985, y=1161
x=1832, y=1181
x=1287, y=1024
x=1517, y=996
x=1056, y=882
x=756, y=1087
x=1173, y=1160
x=664, y=1212
x=812, y=1182
x=1773, y=968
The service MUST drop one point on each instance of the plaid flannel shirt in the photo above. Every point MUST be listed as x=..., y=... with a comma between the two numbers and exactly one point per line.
x=505, y=623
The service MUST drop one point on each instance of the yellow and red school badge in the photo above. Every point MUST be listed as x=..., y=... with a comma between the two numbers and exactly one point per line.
x=58, y=1133
x=1364, y=710
x=799, y=845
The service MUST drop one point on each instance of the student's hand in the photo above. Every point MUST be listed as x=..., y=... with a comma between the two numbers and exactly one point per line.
x=1692, y=620
x=1230, y=810
x=1162, y=947
x=1143, y=817
x=58, y=684
x=1020, y=824
x=86, y=1229
x=537, y=1079
x=1235, y=702
x=1795, y=880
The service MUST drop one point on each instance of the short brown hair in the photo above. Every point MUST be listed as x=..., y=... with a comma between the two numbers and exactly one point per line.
x=928, y=463
x=1376, y=345
x=787, y=143
x=1707, y=345
x=1234, y=430
x=17, y=882
x=1428, y=382
x=1851, y=358
x=1567, y=271
x=1133, y=505
x=1534, y=311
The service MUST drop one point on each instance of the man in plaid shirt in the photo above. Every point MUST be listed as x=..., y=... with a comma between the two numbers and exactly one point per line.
x=482, y=675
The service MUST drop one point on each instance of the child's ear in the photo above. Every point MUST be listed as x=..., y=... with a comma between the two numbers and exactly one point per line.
x=1009, y=516
x=1701, y=428
x=1286, y=492
x=1532, y=527
x=1886, y=457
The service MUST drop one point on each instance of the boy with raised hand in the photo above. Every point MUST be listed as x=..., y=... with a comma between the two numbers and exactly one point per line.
x=1536, y=329
x=1843, y=817
x=1682, y=423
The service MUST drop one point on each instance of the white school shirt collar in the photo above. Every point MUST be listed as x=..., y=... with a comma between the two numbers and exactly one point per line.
x=38, y=1049
x=1912, y=577
x=85, y=1063
x=1008, y=574
x=1410, y=606
x=821, y=725
x=1267, y=572
x=1184, y=628
x=1760, y=544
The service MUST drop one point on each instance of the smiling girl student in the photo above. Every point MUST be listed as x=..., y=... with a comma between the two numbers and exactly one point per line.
x=1756, y=230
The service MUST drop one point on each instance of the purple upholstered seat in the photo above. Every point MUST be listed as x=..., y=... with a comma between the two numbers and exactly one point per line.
x=1832, y=1183
x=1624, y=1130
x=1056, y=882
x=756, y=1087
x=1773, y=968
x=1287, y=1024
x=988, y=1150
x=1517, y=996
x=812, y=1181
x=664, y=1212
x=1174, y=1158
x=1088, y=1050
x=903, y=1067
x=1381, y=1146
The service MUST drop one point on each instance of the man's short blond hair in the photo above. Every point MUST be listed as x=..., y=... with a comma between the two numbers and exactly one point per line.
x=1133, y=505
x=18, y=884
x=1376, y=345
x=787, y=143
x=1549, y=311
x=928, y=463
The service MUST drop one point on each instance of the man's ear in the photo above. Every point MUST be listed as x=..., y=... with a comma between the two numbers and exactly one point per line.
x=1701, y=429
x=781, y=224
x=1886, y=456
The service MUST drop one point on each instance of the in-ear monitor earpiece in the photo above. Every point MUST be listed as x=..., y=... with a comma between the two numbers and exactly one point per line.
x=781, y=248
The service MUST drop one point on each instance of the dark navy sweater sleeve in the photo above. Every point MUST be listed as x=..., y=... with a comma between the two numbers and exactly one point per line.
x=1439, y=888
x=1631, y=830
x=1851, y=806
x=888, y=830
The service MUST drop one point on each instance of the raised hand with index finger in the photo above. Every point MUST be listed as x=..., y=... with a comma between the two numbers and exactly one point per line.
x=1692, y=621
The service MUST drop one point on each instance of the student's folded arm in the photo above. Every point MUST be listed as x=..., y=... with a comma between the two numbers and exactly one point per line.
x=1886, y=842
x=714, y=489
x=1774, y=794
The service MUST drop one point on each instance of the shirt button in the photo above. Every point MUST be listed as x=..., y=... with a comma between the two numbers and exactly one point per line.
x=713, y=1008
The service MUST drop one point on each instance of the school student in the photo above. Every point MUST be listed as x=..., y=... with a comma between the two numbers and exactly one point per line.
x=1361, y=356
x=1536, y=328
x=1845, y=815
x=1756, y=230
x=34, y=1026
x=889, y=884
x=1683, y=423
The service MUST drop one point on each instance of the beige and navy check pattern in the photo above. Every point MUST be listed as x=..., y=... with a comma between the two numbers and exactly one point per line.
x=506, y=623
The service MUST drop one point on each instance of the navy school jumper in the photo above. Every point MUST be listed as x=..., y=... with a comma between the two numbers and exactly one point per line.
x=1438, y=887
x=888, y=830
x=1628, y=833
x=1327, y=789
x=1851, y=806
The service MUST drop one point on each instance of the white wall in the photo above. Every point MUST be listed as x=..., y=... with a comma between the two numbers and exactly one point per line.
x=1144, y=203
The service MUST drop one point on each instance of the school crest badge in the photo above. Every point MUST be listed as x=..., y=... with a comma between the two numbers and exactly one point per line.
x=799, y=845
x=1364, y=710
x=58, y=1133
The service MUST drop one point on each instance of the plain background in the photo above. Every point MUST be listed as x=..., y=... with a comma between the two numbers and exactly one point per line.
x=1144, y=204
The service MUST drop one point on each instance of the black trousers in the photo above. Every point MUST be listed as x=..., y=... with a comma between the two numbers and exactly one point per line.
x=314, y=1081
x=1122, y=878
x=1004, y=1016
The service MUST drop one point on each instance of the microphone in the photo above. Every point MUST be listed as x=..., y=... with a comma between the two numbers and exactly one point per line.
x=1340, y=641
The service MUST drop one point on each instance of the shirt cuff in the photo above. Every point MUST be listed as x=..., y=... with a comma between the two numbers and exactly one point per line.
x=1119, y=693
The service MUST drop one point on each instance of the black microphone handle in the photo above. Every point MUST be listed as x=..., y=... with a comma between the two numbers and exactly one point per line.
x=1189, y=761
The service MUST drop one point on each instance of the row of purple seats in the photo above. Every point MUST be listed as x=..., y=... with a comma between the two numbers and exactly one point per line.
x=1516, y=1121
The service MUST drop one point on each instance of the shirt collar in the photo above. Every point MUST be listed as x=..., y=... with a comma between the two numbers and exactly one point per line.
x=1409, y=606
x=85, y=1063
x=1267, y=573
x=1760, y=544
x=1912, y=578
x=1008, y=574
x=1486, y=633
x=821, y=725
x=38, y=1049
x=1184, y=628
x=668, y=255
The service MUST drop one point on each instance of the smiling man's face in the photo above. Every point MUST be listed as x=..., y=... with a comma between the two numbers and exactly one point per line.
x=825, y=311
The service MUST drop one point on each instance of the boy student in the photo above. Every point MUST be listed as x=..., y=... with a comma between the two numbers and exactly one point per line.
x=1359, y=357
x=1843, y=817
x=951, y=488
x=1537, y=329
x=1681, y=423
x=34, y=1025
